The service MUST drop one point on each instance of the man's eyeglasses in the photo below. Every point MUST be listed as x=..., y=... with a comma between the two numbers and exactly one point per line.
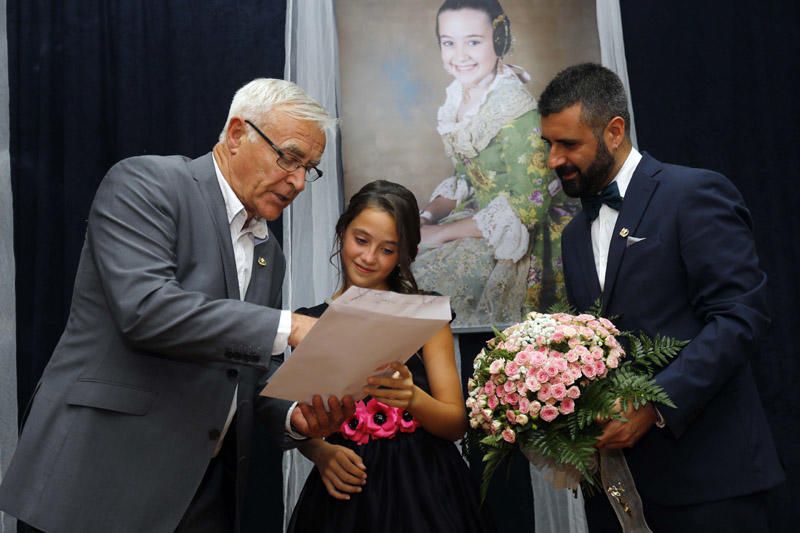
x=287, y=162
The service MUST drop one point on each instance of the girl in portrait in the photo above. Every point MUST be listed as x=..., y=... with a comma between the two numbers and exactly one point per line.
x=491, y=232
x=394, y=465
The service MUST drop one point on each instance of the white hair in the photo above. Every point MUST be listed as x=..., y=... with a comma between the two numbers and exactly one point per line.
x=255, y=100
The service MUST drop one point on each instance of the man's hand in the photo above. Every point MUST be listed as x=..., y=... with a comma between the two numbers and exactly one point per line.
x=316, y=422
x=301, y=325
x=625, y=433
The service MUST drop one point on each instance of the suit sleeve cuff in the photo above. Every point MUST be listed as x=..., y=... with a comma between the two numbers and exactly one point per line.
x=282, y=335
x=290, y=432
x=661, y=423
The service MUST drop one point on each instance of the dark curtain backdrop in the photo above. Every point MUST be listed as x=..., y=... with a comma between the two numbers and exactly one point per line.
x=714, y=85
x=93, y=82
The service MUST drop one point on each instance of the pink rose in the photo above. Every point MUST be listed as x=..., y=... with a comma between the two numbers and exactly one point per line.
x=599, y=368
x=542, y=375
x=588, y=370
x=511, y=416
x=567, y=406
x=558, y=391
x=558, y=336
x=532, y=384
x=612, y=362
x=524, y=404
x=523, y=358
x=574, y=393
x=509, y=435
x=509, y=386
x=381, y=419
x=538, y=359
x=551, y=368
x=534, y=409
x=492, y=401
x=597, y=352
x=548, y=413
x=512, y=369
x=513, y=398
x=355, y=427
x=496, y=366
x=489, y=387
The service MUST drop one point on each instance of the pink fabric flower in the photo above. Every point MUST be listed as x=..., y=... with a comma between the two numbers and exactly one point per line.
x=355, y=427
x=381, y=419
x=548, y=413
x=406, y=422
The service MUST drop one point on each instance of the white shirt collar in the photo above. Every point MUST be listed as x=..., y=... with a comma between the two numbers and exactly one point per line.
x=623, y=177
x=236, y=211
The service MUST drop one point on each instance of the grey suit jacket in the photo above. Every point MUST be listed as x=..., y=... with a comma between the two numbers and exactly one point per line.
x=126, y=416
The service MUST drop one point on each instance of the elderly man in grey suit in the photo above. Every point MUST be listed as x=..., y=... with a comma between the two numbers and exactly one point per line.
x=143, y=416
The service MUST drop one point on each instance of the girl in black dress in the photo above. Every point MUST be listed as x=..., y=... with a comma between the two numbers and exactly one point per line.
x=393, y=466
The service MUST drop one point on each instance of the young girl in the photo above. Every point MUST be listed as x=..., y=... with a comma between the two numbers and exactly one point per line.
x=393, y=466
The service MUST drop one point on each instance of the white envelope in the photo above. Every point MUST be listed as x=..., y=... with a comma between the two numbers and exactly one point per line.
x=360, y=331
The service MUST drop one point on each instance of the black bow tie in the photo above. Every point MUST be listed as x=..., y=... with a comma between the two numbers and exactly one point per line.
x=609, y=196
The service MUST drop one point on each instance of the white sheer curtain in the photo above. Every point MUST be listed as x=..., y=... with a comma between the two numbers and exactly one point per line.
x=312, y=62
x=612, y=49
x=8, y=348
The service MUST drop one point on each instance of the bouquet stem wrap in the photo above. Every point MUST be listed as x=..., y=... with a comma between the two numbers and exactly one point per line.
x=621, y=491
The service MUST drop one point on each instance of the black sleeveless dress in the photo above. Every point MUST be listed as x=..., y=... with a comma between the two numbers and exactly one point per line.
x=416, y=483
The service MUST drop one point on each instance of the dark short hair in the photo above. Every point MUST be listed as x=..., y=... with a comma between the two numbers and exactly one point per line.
x=501, y=34
x=400, y=203
x=599, y=91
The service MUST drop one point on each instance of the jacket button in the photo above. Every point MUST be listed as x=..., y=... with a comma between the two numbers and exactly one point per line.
x=214, y=434
x=232, y=373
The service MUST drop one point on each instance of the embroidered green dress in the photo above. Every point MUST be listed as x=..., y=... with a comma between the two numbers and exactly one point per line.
x=502, y=182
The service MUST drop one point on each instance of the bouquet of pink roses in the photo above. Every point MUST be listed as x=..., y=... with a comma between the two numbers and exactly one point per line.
x=541, y=384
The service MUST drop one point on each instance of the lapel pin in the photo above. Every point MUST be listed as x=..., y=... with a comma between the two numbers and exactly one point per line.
x=624, y=232
x=262, y=262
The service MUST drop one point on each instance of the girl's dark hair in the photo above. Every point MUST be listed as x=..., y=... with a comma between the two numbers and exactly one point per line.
x=501, y=35
x=400, y=203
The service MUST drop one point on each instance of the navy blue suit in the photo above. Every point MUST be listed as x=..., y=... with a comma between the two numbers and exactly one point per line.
x=694, y=275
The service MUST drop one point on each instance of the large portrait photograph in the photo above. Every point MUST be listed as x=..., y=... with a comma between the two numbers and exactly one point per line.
x=441, y=97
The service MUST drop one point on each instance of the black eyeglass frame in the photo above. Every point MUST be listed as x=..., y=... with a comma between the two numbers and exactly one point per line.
x=283, y=160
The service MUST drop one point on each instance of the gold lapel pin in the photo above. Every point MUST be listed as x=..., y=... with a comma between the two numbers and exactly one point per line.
x=262, y=262
x=624, y=232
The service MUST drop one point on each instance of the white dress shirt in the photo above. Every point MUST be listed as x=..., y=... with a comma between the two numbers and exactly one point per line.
x=243, y=240
x=603, y=225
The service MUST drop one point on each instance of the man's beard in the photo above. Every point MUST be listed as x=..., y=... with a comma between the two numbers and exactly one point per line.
x=588, y=183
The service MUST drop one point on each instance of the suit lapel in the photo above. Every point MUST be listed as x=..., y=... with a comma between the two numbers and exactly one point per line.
x=637, y=198
x=262, y=273
x=583, y=250
x=203, y=172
